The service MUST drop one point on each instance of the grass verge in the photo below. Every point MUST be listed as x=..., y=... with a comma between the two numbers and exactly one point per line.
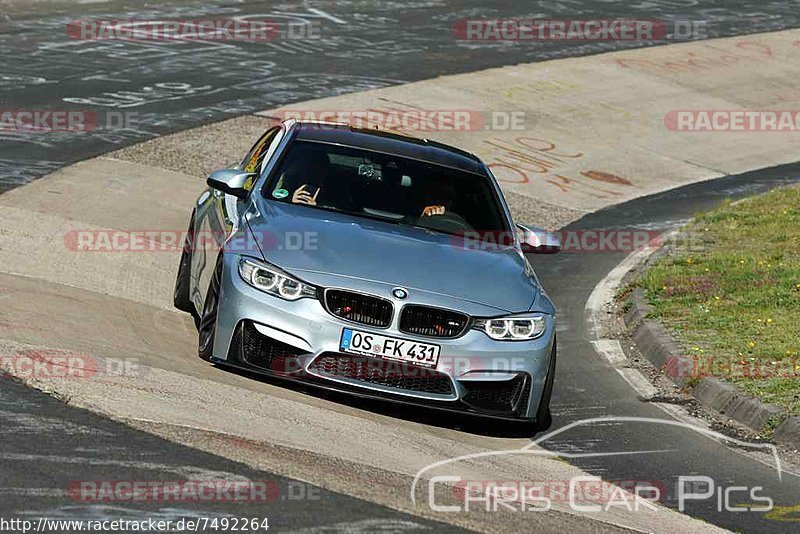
x=734, y=302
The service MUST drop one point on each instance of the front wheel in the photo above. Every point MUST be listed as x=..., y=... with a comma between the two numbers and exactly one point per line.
x=180, y=297
x=207, y=325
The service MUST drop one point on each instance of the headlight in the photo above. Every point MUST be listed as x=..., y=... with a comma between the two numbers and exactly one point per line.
x=516, y=328
x=274, y=281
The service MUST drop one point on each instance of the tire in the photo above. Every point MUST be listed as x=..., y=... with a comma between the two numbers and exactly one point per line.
x=543, y=417
x=207, y=325
x=180, y=297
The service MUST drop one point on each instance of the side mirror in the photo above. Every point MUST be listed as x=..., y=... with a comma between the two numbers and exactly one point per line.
x=231, y=181
x=538, y=241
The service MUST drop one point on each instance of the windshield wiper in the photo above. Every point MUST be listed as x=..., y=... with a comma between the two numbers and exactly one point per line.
x=384, y=214
x=362, y=213
x=438, y=231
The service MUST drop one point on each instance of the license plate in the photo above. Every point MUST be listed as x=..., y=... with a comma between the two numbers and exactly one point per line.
x=389, y=348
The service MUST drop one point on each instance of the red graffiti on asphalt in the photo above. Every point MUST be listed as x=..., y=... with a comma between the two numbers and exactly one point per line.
x=528, y=157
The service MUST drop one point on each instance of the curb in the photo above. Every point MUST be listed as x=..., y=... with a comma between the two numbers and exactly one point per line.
x=663, y=350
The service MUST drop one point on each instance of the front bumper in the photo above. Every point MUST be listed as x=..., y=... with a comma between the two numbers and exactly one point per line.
x=299, y=340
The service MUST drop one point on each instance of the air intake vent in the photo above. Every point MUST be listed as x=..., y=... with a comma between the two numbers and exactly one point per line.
x=359, y=308
x=433, y=322
x=382, y=372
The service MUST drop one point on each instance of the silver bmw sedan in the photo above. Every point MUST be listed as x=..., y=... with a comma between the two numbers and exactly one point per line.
x=374, y=264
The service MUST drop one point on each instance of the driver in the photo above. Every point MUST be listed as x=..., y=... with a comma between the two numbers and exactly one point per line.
x=305, y=176
x=438, y=198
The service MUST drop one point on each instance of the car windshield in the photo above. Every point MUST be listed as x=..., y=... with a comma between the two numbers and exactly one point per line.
x=392, y=188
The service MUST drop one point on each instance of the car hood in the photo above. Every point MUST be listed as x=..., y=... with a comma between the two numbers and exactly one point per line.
x=303, y=240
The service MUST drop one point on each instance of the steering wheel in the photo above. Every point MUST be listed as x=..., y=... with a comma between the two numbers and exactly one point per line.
x=447, y=221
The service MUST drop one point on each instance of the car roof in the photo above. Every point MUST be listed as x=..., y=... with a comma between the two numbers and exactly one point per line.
x=390, y=143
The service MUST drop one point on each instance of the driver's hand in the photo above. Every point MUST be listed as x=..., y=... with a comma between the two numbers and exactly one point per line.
x=432, y=210
x=301, y=196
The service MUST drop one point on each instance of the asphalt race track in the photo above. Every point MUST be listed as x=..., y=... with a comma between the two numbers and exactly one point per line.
x=588, y=388
x=171, y=86
x=175, y=86
x=74, y=446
